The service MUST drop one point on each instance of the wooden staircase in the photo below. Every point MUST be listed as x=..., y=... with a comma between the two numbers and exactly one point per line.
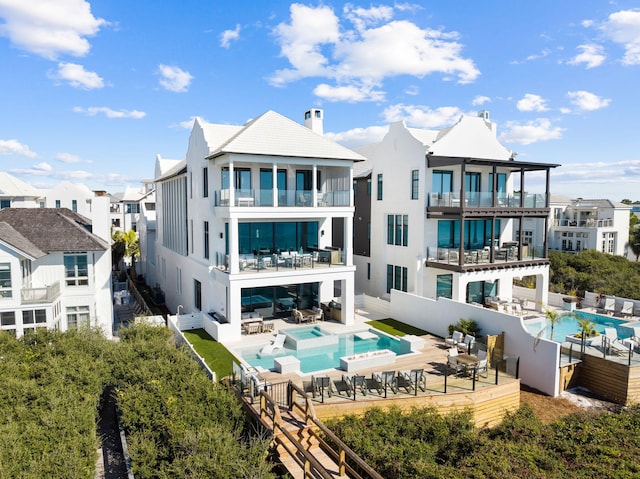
x=299, y=439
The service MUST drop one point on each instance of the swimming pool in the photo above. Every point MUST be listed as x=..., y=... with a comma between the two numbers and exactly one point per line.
x=326, y=356
x=569, y=325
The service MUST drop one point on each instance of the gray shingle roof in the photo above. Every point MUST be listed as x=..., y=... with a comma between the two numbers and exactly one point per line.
x=15, y=240
x=51, y=229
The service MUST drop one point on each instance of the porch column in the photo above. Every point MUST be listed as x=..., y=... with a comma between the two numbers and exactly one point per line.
x=348, y=240
x=274, y=185
x=234, y=263
x=348, y=300
x=232, y=185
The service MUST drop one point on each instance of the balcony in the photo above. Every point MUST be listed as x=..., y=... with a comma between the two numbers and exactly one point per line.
x=588, y=223
x=485, y=200
x=285, y=198
x=285, y=261
x=46, y=294
x=506, y=254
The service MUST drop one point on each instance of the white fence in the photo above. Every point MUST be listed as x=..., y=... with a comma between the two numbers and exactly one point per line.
x=539, y=358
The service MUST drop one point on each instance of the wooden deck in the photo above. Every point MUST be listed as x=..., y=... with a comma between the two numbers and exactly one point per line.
x=488, y=400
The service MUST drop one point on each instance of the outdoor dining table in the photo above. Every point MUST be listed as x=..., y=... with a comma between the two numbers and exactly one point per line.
x=469, y=361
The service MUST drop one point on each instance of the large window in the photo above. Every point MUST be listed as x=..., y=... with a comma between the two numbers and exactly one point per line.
x=5, y=281
x=37, y=316
x=379, y=186
x=206, y=239
x=415, y=183
x=197, y=295
x=268, y=238
x=76, y=269
x=441, y=181
x=74, y=206
x=8, y=318
x=477, y=233
x=397, y=230
x=444, y=286
x=77, y=317
x=396, y=278
x=241, y=181
x=5, y=204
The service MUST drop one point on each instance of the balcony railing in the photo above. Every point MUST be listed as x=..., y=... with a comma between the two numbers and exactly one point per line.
x=485, y=199
x=590, y=223
x=46, y=294
x=297, y=198
x=504, y=254
x=283, y=261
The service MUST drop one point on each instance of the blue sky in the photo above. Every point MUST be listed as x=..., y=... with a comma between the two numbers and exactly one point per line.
x=92, y=91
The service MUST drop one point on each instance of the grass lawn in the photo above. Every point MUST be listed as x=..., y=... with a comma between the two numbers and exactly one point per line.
x=395, y=328
x=217, y=357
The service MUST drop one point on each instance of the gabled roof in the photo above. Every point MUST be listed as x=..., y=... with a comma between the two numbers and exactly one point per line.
x=16, y=241
x=275, y=135
x=10, y=186
x=471, y=137
x=426, y=137
x=53, y=229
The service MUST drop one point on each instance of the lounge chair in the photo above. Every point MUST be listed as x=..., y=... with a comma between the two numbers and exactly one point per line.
x=467, y=344
x=452, y=362
x=383, y=380
x=613, y=344
x=627, y=309
x=412, y=380
x=610, y=305
x=277, y=343
x=456, y=337
x=320, y=384
x=354, y=382
x=636, y=333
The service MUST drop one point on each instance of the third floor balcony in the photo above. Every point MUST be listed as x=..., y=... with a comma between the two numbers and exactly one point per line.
x=486, y=199
x=282, y=198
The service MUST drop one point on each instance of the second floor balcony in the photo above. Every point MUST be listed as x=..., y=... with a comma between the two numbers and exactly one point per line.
x=45, y=294
x=282, y=198
x=508, y=253
x=484, y=199
x=588, y=223
x=264, y=261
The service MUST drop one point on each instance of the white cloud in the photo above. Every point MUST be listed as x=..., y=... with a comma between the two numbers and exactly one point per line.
x=412, y=90
x=592, y=56
x=49, y=29
x=348, y=93
x=422, y=116
x=531, y=102
x=77, y=76
x=587, y=101
x=174, y=79
x=14, y=147
x=480, y=100
x=44, y=167
x=228, y=36
x=68, y=158
x=540, y=129
x=623, y=27
x=359, y=136
x=316, y=43
x=109, y=113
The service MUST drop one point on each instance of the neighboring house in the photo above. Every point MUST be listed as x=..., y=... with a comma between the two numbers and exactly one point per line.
x=125, y=208
x=15, y=193
x=248, y=221
x=54, y=272
x=582, y=224
x=74, y=196
x=146, y=227
x=437, y=211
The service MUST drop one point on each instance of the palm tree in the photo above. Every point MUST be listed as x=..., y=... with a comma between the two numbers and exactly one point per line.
x=128, y=239
x=553, y=318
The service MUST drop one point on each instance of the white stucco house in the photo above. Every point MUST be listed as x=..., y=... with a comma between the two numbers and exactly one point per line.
x=440, y=214
x=15, y=193
x=588, y=224
x=257, y=218
x=54, y=272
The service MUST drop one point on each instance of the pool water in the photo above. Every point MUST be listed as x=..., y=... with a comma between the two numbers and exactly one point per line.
x=569, y=325
x=323, y=357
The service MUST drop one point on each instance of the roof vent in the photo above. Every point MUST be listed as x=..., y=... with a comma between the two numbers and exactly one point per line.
x=484, y=114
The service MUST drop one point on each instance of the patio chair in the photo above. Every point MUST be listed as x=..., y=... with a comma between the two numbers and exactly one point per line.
x=467, y=344
x=610, y=305
x=383, y=380
x=456, y=337
x=354, y=382
x=612, y=343
x=412, y=380
x=266, y=327
x=452, y=362
x=627, y=309
x=319, y=385
x=636, y=333
x=297, y=316
x=482, y=363
x=277, y=343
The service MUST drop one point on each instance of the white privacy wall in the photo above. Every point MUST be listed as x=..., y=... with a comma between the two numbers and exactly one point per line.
x=539, y=358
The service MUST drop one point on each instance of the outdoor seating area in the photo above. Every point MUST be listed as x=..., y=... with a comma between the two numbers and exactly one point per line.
x=464, y=364
x=253, y=323
x=307, y=315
